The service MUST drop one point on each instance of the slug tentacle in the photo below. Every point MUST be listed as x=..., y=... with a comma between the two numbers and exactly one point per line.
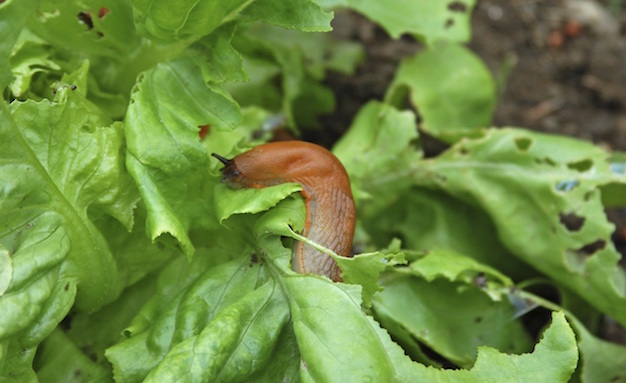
x=223, y=160
x=330, y=210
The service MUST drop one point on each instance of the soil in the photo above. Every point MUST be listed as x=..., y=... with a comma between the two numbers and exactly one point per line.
x=560, y=64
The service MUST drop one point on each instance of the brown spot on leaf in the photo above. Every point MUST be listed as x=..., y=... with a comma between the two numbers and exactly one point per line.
x=204, y=129
x=103, y=12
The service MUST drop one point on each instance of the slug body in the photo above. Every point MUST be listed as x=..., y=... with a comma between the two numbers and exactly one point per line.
x=330, y=210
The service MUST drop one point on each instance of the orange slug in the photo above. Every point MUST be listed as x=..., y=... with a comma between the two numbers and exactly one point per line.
x=330, y=210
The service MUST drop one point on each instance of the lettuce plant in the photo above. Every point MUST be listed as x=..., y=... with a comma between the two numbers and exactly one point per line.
x=123, y=257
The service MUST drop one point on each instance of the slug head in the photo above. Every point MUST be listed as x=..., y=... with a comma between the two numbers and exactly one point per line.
x=230, y=174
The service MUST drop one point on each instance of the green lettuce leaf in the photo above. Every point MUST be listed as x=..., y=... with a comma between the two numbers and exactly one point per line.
x=60, y=360
x=104, y=34
x=452, y=89
x=63, y=166
x=166, y=21
x=235, y=344
x=378, y=142
x=30, y=56
x=13, y=16
x=165, y=156
x=452, y=319
x=365, y=269
x=429, y=20
x=548, y=188
x=553, y=359
x=71, y=170
x=181, y=308
x=287, y=67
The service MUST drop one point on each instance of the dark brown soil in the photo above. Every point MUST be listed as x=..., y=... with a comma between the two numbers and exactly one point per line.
x=568, y=68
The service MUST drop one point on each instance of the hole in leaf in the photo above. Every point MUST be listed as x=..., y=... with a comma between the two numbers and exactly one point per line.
x=85, y=18
x=581, y=166
x=571, y=221
x=591, y=248
x=523, y=143
x=480, y=280
x=66, y=323
x=449, y=23
x=618, y=168
x=457, y=6
x=566, y=186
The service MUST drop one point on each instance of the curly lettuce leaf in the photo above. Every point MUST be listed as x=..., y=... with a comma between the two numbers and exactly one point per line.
x=104, y=34
x=165, y=156
x=13, y=16
x=63, y=168
x=66, y=165
x=30, y=56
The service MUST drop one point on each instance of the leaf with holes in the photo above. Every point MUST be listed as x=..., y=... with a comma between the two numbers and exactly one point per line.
x=544, y=195
x=450, y=318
